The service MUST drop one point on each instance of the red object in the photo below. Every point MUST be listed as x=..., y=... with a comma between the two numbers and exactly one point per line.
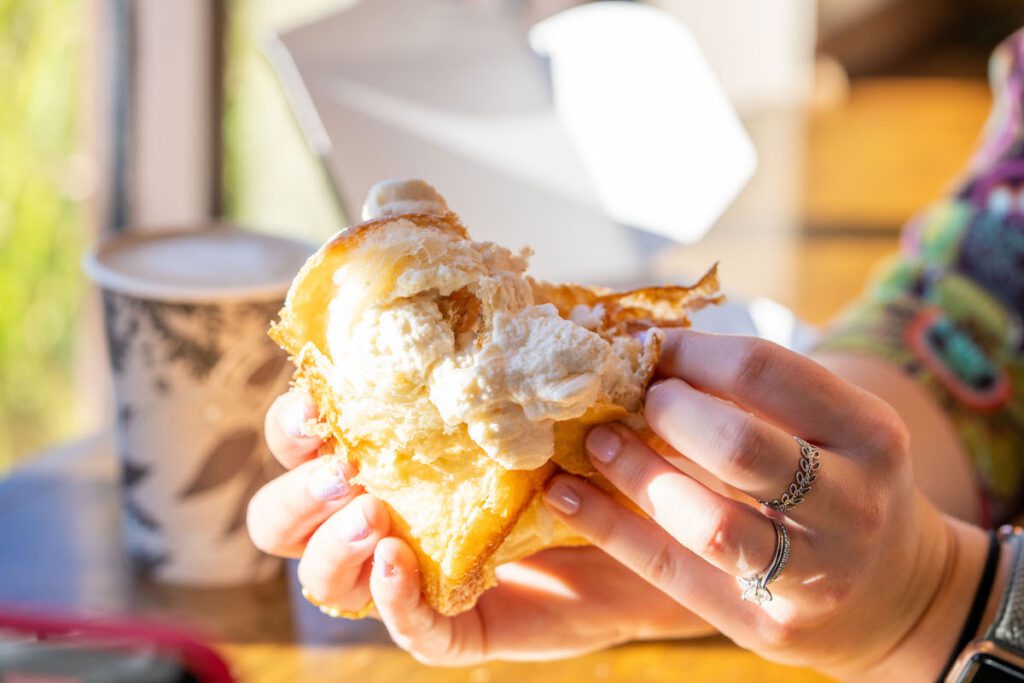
x=173, y=644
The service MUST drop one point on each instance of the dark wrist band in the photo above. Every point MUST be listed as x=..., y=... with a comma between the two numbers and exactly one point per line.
x=981, y=596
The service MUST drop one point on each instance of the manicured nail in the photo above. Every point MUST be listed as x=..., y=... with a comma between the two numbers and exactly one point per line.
x=656, y=388
x=561, y=497
x=355, y=528
x=641, y=335
x=296, y=417
x=385, y=569
x=327, y=481
x=604, y=444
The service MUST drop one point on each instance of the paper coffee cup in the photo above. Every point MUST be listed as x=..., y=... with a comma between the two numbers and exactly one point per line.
x=187, y=313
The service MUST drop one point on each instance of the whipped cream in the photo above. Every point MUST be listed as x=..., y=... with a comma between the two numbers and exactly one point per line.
x=536, y=369
x=397, y=197
x=504, y=367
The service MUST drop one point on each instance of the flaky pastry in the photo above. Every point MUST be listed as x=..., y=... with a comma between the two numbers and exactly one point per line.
x=457, y=384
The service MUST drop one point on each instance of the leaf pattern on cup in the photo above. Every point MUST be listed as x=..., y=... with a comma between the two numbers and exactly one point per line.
x=199, y=351
x=125, y=414
x=232, y=454
x=161, y=385
x=268, y=371
x=118, y=340
x=253, y=484
x=219, y=352
x=148, y=563
x=191, y=334
x=132, y=472
x=138, y=515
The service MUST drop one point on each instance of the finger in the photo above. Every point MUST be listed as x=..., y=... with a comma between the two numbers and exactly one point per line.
x=414, y=625
x=551, y=582
x=739, y=448
x=786, y=388
x=334, y=567
x=286, y=428
x=649, y=551
x=287, y=510
x=732, y=536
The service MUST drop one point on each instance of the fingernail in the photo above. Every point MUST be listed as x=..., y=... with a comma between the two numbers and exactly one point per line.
x=561, y=497
x=604, y=444
x=385, y=569
x=327, y=481
x=355, y=528
x=655, y=389
x=295, y=419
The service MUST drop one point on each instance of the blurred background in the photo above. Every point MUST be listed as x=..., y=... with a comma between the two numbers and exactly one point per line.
x=156, y=112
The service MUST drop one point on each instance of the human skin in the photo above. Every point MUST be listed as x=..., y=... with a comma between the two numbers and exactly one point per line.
x=942, y=469
x=558, y=603
x=879, y=579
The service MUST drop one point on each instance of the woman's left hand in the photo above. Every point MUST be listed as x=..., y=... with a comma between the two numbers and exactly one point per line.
x=877, y=582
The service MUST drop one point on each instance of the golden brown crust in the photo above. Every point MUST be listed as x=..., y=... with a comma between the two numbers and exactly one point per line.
x=303, y=317
x=447, y=594
x=665, y=306
x=507, y=521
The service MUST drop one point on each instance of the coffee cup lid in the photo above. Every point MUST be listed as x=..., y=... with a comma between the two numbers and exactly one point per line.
x=210, y=264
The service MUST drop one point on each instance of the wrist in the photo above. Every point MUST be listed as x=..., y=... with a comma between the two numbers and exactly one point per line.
x=923, y=652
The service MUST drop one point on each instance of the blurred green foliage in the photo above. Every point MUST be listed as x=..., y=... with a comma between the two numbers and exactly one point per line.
x=272, y=183
x=41, y=223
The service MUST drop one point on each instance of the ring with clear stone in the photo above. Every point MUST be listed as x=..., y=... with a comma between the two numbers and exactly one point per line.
x=755, y=587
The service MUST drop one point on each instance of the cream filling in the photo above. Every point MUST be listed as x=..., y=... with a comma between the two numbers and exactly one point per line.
x=537, y=369
x=401, y=370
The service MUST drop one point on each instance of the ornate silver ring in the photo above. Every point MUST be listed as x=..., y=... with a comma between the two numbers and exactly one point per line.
x=806, y=475
x=755, y=587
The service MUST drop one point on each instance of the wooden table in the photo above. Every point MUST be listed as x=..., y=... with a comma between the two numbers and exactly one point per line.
x=60, y=550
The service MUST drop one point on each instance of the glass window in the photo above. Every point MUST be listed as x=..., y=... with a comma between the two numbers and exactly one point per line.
x=272, y=179
x=44, y=179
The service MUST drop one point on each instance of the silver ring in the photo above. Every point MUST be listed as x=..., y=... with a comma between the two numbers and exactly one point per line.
x=806, y=475
x=755, y=587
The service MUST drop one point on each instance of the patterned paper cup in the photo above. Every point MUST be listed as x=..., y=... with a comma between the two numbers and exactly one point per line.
x=187, y=313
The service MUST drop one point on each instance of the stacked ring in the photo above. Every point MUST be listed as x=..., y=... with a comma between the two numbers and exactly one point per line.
x=755, y=587
x=806, y=475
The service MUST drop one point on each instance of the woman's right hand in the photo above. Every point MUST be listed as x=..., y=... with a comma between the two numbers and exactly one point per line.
x=558, y=603
x=313, y=512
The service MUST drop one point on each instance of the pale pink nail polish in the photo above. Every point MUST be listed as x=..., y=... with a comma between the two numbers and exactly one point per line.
x=561, y=497
x=385, y=569
x=295, y=419
x=355, y=528
x=327, y=481
x=604, y=444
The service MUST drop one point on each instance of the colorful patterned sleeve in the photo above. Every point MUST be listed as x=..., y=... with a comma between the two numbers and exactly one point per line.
x=948, y=308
